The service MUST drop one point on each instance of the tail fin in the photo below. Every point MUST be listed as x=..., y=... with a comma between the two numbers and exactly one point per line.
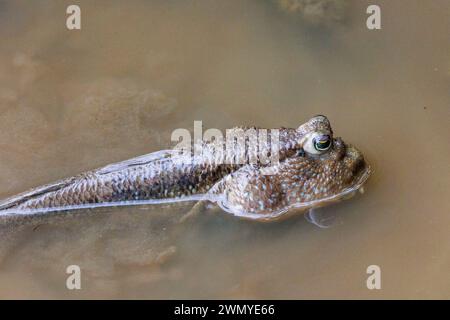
x=18, y=199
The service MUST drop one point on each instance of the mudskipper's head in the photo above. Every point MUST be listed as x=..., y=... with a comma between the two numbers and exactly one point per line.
x=320, y=170
x=329, y=167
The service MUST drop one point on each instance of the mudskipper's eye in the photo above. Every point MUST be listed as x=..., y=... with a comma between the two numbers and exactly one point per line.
x=317, y=143
x=322, y=142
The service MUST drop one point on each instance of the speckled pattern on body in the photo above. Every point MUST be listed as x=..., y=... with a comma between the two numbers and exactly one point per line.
x=313, y=169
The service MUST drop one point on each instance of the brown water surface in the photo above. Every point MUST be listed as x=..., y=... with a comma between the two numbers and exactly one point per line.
x=71, y=101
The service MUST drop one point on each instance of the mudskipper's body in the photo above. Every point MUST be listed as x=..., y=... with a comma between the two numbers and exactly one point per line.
x=314, y=169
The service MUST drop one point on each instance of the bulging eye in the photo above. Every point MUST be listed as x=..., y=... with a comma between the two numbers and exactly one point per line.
x=317, y=143
x=322, y=142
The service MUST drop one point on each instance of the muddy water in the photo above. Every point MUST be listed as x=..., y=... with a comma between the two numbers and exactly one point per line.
x=76, y=100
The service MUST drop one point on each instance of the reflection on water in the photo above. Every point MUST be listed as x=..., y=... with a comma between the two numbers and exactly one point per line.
x=76, y=100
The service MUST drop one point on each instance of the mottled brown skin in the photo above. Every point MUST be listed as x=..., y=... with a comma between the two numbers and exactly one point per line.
x=294, y=181
x=299, y=177
x=300, y=180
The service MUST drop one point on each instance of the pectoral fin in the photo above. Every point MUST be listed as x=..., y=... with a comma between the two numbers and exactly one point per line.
x=321, y=219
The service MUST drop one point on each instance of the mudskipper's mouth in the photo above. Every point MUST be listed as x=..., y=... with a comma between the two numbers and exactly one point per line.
x=360, y=169
x=355, y=159
x=358, y=166
x=363, y=174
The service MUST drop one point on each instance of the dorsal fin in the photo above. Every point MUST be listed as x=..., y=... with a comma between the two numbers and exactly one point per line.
x=138, y=161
